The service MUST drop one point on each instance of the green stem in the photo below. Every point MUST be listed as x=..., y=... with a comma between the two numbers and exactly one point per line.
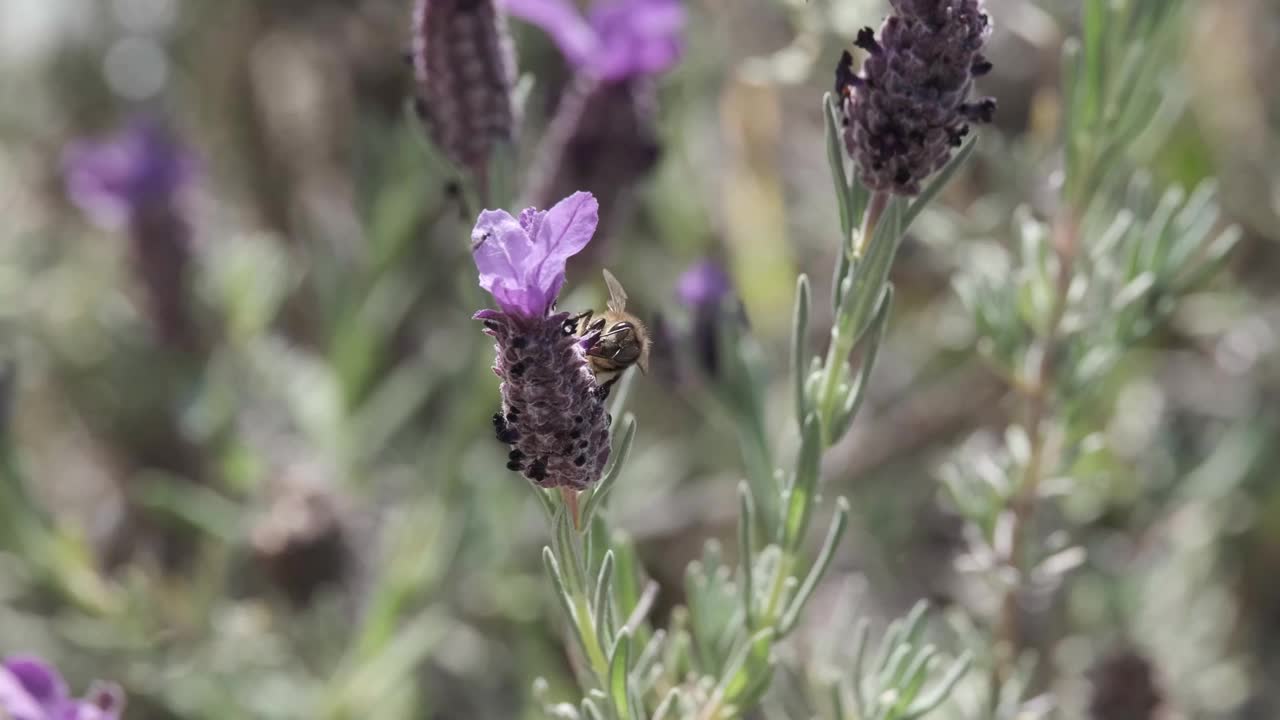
x=844, y=332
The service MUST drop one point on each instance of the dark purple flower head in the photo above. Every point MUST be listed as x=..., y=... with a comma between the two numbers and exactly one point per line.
x=31, y=689
x=909, y=107
x=131, y=173
x=465, y=69
x=553, y=417
x=618, y=39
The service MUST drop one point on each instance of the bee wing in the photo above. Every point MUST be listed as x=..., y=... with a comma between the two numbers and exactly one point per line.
x=617, y=296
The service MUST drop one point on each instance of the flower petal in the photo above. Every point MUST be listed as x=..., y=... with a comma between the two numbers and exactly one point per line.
x=502, y=250
x=637, y=37
x=30, y=689
x=566, y=230
x=561, y=20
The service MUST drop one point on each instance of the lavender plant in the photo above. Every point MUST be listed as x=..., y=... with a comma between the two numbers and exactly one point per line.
x=1089, y=284
x=901, y=120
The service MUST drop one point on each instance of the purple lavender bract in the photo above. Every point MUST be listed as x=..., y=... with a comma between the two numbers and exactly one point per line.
x=908, y=108
x=553, y=416
x=31, y=689
x=603, y=136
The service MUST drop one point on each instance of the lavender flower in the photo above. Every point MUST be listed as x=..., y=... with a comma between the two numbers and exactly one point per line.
x=137, y=180
x=619, y=39
x=553, y=415
x=31, y=689
x=465, y=69
x=602, y=136
x=908, y=108
x=705, y=288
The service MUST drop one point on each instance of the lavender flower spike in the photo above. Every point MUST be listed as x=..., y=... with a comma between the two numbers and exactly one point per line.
x=31, y=689
x=138, y=179
x=553, y=415
x=909, y=108
x=465, y=69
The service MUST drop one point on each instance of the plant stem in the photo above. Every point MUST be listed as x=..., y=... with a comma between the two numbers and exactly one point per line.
x=843, y=334
x=1036, y=392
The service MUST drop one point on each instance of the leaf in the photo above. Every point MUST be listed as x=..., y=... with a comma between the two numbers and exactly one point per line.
x=618, y=676
x=602, y=489
x=939, y=693
x=746, y=521
x=800, y=503
x=602, y=599
x=839, y=171
x=668, y=705
x=799, y=349
x=853, y=401
x=936, y=183
x=566, y=600
x=838, y=524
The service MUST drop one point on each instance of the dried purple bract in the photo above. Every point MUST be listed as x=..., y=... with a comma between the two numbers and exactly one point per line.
x=553, y=415
x=31, y=689
x=465, y=68
x=909, y=107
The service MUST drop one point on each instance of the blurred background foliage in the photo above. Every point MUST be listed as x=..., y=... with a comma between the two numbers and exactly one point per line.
x=302, y=513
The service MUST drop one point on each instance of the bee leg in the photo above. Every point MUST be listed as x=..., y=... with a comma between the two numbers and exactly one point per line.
x=571, y=323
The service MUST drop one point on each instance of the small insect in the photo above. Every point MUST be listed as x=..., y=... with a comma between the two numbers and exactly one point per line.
x=618, y=339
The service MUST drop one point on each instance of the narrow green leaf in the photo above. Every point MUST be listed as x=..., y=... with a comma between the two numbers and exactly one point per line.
x=651, y=652
x=908, y=684
x=562, y=592
x=618, y=676
x=838, y=524
x=937, y=182
x=853, y=402
x=602, y=601
x=800, y=503
x=627, y=573
x=750, y=665
x=564, y=543
x=667, y=707
x=940, y=692
x=799, y=347
x=746, y=522
x=596, y=499
x=861, y=633
x=590, y=711
x=839, y=171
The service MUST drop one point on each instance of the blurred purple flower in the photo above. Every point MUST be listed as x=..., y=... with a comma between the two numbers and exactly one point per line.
x=616, y=40
x=553, y=417
x=705, y=284
x=133, y=172
x=31, y=689
x=521, y=262
x=135, y=179
x=706, y=289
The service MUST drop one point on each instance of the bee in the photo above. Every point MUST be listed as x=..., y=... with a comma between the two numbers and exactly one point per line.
x=616, y=339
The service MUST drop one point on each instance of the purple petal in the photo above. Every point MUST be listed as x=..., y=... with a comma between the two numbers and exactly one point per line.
x=564, y=231
x=561, y=20
x=637, y=37
x=30, y=689
x=116, y=177
x=704, y=284
x=502, y=250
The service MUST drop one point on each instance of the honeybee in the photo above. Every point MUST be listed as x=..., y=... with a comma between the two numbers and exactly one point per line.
x=617, y=339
